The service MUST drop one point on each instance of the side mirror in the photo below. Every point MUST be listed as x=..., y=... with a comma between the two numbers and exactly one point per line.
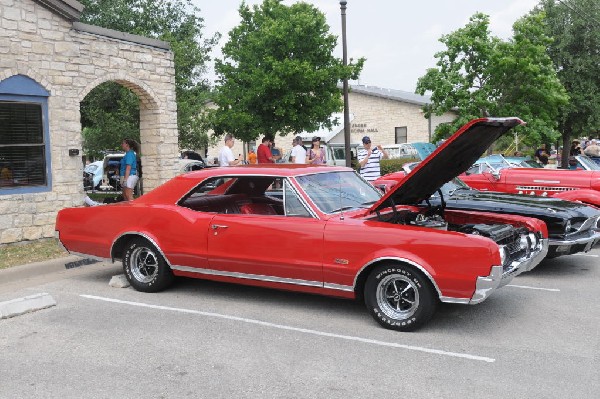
x=495, y=174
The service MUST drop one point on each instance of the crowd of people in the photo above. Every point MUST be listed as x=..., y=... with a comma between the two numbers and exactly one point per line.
x=369, y=156
x=589, y=147
x=267, y=152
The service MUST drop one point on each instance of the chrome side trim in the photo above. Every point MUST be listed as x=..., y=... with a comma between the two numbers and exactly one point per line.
x=338, y=287
x=449, y=299
x=91, y=257
x=410, y=262
x=137, y=233
x=246, y=276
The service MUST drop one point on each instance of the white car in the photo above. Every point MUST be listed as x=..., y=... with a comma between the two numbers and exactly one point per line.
x=96, y=170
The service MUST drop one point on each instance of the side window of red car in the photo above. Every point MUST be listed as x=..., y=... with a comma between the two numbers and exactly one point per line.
x=292, y=203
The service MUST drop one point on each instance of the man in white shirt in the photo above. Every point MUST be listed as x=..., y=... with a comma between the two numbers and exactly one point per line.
x=226, y=157
x=369, y=158
x=298, y=151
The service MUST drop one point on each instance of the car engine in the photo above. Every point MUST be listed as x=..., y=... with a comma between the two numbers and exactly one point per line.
x=515, y=242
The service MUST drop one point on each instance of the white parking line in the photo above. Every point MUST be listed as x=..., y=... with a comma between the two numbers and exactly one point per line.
x=297, y=329
x=534, y=288
x=588, y=255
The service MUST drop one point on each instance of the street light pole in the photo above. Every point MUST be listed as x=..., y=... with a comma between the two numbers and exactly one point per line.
x=345, y=88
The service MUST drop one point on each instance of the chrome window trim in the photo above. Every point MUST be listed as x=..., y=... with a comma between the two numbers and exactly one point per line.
x=410, y=262
x=143, y=235
x=302, y=201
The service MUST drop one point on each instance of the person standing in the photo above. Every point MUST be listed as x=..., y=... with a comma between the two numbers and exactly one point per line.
x=275, y=151
x=226, y=157
x=298, y=151
x=251, y=157
x=369, y=159
x=542, y=155
x=316, y=155
x=128, y=172
x=263, y=152
x=593, y=150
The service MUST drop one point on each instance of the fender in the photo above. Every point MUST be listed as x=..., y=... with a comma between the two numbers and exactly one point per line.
x=587, y=196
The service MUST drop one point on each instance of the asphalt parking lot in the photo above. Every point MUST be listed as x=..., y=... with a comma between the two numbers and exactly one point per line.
x=537, y=337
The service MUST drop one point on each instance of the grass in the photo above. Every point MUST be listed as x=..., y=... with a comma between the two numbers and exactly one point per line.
x=29, y=252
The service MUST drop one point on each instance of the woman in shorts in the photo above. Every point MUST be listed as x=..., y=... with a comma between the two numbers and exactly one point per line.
x=129, y=175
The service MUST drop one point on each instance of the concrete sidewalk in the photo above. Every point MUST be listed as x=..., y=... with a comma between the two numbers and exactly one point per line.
x=18, y=277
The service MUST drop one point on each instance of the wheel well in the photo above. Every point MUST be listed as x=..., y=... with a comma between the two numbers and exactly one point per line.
x=359, y=288
x=118, y=247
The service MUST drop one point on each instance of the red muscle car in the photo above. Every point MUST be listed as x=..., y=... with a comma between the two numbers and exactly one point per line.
x=331, y=233
x=571, y=185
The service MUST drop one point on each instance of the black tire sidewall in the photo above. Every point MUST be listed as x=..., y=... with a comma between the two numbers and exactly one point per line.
x=160, y=281
x=427, y=302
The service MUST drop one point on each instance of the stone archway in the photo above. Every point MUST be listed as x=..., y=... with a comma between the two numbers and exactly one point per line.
x=156, y=147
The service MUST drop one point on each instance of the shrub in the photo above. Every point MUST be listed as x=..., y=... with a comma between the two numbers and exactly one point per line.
x=393, y=165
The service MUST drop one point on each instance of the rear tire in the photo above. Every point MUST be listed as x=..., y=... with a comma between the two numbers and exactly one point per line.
x=145, y=268
x=399, y=297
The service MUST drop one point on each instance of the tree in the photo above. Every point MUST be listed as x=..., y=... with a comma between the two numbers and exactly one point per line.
x=575, y=27
x=278, y=74
x=176, y=22
x=479, y=75
x=109, y=113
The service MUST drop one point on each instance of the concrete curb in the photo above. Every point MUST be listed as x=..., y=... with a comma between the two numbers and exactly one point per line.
x=31, y=303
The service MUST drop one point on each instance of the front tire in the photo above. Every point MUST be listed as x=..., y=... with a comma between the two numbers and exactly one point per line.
x=145, y=268
x=399, y=297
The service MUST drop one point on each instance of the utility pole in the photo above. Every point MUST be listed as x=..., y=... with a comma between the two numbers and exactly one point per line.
x=345, y=88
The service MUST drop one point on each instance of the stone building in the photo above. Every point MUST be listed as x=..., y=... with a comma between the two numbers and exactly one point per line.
x=387, y=116
x=48, y=63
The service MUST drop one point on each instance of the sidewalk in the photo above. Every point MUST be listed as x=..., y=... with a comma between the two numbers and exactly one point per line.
x=18, y=277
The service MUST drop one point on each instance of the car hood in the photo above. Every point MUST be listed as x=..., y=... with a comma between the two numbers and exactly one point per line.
x=539, y=207
x=453, y=157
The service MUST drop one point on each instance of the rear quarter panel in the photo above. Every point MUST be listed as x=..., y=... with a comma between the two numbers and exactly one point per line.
x=180, y=233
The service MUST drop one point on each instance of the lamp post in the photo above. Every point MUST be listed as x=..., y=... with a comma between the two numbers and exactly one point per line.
x=345, y=88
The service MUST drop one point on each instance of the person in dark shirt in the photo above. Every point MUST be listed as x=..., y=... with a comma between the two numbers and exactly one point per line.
x=542, y=155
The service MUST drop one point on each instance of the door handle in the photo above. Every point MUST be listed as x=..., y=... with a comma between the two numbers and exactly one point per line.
x=218, y=226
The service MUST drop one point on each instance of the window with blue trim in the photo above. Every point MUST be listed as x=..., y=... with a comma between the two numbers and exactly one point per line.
x=24, y=141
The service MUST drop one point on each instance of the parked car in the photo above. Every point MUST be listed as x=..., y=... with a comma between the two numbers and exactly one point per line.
x=583, y=162
x=573, y=227
x=189, y=165
x=572, y=185
x=221, y=224
x=94, y=171
x=523, y=162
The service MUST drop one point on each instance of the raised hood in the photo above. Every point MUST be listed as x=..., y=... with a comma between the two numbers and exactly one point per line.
x=453, y=157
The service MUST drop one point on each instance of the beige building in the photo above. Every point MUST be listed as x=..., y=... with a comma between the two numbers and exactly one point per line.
x=48, y=63
x=387, y=116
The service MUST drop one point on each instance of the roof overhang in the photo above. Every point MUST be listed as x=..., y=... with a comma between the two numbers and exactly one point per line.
x=68, y=9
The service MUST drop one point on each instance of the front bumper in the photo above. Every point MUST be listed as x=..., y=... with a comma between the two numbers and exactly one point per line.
x=573, y=246
x=500, y=276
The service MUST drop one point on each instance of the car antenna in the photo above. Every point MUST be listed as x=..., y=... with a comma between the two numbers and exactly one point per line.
x=340, y=191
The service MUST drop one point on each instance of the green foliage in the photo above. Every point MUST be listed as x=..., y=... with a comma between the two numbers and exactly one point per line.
x=479, y=75
x=575, y=27
x=176, y=22
x=278, y=73
x=109, y=113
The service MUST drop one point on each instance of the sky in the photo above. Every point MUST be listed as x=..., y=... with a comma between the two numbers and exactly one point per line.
x=397, y=37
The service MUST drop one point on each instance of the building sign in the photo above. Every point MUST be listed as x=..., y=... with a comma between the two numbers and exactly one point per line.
x=362, y=128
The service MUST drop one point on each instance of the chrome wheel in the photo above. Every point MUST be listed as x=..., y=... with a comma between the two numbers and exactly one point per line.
x=397, y=296
x=143, y=264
